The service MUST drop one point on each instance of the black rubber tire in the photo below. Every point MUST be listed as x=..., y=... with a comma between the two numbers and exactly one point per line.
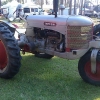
x=96, y=29
x=12, y=51
x=43, y=55
x=84, y=68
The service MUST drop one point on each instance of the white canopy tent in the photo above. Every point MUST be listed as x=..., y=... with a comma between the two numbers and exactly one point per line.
x=10, y=8
x=14, y=3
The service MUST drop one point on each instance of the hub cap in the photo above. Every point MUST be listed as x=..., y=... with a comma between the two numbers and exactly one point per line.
x=3, y=56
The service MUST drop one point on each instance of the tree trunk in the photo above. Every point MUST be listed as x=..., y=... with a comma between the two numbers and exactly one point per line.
x=42, y=4
x=0, y=3
x=75, y=7
x=46, y=2
x=81, y=10
x=65, y=3
x=18, y=0
x=68, y=3
x=61, y=3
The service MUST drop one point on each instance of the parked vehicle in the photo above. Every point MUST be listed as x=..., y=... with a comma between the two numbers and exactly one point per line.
x=69, y=37
x=5, y=12
x=98, y=15
x=91, y=13
x=32, y=10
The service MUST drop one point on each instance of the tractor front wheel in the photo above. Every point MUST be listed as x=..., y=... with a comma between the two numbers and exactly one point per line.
x=9, y=54
x=43, y=55
x=84, y=67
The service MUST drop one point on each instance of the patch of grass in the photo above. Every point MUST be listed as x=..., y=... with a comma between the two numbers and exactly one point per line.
x=44, y=79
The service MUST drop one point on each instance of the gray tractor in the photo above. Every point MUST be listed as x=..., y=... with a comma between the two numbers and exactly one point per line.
x=70, y=37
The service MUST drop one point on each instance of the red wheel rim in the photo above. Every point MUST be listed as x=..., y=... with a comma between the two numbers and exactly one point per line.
x=92, y=76
x=3, y=56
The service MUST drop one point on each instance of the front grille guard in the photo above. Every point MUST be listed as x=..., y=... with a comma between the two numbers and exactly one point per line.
x=78, y=37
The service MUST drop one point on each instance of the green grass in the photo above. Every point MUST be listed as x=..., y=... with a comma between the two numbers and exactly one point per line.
x=43, y=79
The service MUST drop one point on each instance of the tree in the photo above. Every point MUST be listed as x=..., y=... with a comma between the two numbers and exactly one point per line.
x=81, y=6
x=0, y=3
x=46, y=1
x=65, y=3
x=74, y=6
x=41, y=3
x=21, y=1
x=18, y=0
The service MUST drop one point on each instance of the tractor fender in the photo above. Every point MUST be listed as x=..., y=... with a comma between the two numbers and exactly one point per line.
x=10, y=26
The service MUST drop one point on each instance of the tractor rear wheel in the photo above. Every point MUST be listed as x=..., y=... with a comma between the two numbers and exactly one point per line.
x=84, y=67
x=9, y=54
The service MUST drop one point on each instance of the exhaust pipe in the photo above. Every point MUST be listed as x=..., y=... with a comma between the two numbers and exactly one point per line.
x=55, y=7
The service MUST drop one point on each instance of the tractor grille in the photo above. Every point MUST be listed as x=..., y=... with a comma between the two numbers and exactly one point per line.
x=78, y=37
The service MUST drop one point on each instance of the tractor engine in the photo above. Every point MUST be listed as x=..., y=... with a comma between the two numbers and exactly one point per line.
x=42, y=39
x=49, y=39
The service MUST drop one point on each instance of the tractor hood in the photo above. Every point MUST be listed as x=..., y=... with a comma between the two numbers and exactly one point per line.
x=78, y=20
x=61, y=20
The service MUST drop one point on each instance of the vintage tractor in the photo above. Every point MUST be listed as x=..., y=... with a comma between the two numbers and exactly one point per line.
x=70, y=37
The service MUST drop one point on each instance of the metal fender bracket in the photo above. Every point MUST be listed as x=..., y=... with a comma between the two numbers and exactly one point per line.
x=93, y=60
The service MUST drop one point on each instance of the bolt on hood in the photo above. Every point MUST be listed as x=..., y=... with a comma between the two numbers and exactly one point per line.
x=75, y=20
